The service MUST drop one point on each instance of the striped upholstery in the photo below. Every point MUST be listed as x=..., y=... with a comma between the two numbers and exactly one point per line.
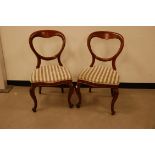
x=50, y=74
x=100, y=75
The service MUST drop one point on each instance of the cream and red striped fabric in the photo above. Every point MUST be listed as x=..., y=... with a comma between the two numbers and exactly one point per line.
x=100, y=75
x=50, y=74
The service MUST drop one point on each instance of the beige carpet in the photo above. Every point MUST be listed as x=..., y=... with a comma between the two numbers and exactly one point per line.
x=135, y=108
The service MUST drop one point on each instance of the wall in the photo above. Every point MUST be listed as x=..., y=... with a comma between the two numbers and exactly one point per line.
x=135, y=64
x=3, y=81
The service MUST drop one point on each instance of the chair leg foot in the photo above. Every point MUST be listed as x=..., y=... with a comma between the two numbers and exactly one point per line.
x=113, y=113
x=78, y=105
x=71, y=105
x=71, y=90
x=33, y=96
x=34, y=109
x=77, y=89
x=115, y=96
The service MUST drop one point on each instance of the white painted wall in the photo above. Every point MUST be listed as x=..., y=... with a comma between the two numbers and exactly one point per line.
x=135, y=64
x=3, y=81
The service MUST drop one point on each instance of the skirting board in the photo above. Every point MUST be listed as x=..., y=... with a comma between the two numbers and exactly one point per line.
x=122, y=85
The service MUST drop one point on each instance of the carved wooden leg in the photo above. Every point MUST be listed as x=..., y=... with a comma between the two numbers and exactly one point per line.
x=40, y=88
x=90, y=89
x=77, y=89
x=70, y=93
x=32, y=94
x=115, y=96
x=62, y=89
x=112, y=92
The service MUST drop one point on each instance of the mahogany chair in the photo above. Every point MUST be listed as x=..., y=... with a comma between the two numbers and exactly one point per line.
x=49, y=75
x=100, y=76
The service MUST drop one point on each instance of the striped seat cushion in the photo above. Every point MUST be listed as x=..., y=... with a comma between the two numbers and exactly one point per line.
x=50, y=74
x=100, y=75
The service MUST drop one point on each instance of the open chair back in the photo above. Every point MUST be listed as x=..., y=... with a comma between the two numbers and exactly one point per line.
x=47, y=34
x=105, y=35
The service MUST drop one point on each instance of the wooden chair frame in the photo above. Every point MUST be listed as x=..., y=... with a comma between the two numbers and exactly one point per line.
x=49, y=34
x=114, y=88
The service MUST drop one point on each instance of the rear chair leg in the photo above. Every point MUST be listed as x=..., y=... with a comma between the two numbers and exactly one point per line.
x=62, y=89
x=70, y=93
x=90, y=89
x=40, y=88
x=32, y=94
x=115, y=94
x=112, y=92
x=77, y=89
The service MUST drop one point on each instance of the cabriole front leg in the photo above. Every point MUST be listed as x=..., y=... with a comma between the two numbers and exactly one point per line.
x=32, y=94
x=115, y=93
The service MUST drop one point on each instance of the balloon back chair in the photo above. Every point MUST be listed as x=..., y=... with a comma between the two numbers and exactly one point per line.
x=100, y=76
x=49, y=75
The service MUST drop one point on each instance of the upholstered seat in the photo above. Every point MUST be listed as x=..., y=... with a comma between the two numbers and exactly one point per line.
x=50, y=74
x=100, y=75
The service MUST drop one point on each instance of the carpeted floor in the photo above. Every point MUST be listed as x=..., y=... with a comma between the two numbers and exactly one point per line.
x=135, y=108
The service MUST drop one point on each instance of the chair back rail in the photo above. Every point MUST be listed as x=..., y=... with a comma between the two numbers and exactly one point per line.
x=47, y=34
x=105, y=35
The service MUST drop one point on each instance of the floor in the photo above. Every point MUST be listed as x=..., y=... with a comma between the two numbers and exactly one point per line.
x=135, y=108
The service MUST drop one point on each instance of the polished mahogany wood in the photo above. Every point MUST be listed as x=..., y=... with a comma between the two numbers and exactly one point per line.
x=105, y=35
x=114, y=88
x=49, y=34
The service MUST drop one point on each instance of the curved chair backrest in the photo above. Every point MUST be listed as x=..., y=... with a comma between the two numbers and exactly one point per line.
x=105, y=35
x=46, y=34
